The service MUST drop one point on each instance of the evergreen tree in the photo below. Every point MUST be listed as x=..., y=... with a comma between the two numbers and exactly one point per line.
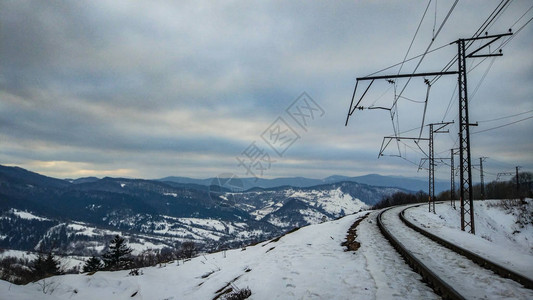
x=92, y=265
x=44, y=267
x=118, y=256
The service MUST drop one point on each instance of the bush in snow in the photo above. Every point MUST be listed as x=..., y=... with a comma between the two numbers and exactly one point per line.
x=15, y=270
x=401, y=198
x=135, y=272
x=238, y=294
x=187, y=250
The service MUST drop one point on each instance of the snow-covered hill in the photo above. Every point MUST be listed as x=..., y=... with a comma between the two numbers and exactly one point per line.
x=504, y=230
x=79, y=217
x=309, y=263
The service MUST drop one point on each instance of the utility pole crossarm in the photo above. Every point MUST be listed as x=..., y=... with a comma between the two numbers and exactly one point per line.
x=406, y=75
x=494, y=39
x=405, y=138
x=353, y=107
x=442, y=125
x=499, y=175
x=485, y=37
x=397, y=138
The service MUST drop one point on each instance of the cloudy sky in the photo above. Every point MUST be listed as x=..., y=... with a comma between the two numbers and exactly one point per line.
x=148, y=89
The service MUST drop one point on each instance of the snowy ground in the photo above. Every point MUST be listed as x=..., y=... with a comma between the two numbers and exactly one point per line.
x=307, y=264
x=462, y=274
x=498, y=235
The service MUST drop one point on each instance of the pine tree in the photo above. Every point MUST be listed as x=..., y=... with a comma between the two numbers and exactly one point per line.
x=44, y=267
x=92, y=265
x=118, y=256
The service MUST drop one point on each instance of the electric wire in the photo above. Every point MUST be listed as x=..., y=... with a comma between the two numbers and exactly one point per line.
x=427, y=49
x=500, y=8
x=397, y=97
x=425, y=109
x=410, y=59
x=515, y=33
x=454, y=95
x=506, y=117
x=499, y=15
x=480, y=30
x=381, y=96
x=394, y=108
x=504, y=125
x=505, y=42
x=531, y=7
x=435, y=19
x=413, y=148
x=495, y=15
x=412, y=100
x=414, y=37
x=472, y=96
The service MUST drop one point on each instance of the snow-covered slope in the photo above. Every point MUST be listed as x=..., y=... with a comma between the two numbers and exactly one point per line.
x=504, y=230
x=309, y=263
x=290, y=207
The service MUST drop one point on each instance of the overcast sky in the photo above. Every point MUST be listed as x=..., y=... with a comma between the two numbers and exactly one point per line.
x=148, y=89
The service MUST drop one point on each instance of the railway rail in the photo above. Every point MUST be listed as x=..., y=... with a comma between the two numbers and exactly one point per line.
x=453, y=272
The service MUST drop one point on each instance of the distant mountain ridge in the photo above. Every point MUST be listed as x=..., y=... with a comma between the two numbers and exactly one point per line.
x=78, y=216
x=411, y=184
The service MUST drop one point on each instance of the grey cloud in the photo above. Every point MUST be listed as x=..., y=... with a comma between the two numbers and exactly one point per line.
x=98, y=78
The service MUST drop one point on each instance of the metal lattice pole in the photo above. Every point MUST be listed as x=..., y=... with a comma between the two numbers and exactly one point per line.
x=517, y=183
x=431, y=181
x=452, y=178
x=465, y=165
x=481, y=177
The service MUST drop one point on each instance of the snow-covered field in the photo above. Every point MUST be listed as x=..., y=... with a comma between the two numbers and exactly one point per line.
x=332, y=201
x=309, y=263
x=504, y=230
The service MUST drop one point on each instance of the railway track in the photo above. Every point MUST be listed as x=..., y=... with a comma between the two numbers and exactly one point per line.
x=452, y=275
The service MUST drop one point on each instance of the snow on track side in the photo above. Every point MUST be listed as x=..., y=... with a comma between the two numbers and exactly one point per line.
x=480, y=260
x=393, y=278
x=496, y=237
x=467, y=278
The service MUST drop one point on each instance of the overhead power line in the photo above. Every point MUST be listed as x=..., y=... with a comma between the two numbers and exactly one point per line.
x=506, y=117
x=504, y=125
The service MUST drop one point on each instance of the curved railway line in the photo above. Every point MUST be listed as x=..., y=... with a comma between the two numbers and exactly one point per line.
x=453, y=272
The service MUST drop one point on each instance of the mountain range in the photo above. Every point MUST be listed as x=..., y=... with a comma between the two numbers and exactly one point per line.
x=407, y=183
x=80, y=216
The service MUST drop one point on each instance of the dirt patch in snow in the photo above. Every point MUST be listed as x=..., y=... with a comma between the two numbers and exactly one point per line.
x=351, y=244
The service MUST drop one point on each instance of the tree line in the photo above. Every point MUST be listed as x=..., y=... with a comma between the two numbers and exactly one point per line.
x=492, y=190
x=510, y=189
x=118, y=257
